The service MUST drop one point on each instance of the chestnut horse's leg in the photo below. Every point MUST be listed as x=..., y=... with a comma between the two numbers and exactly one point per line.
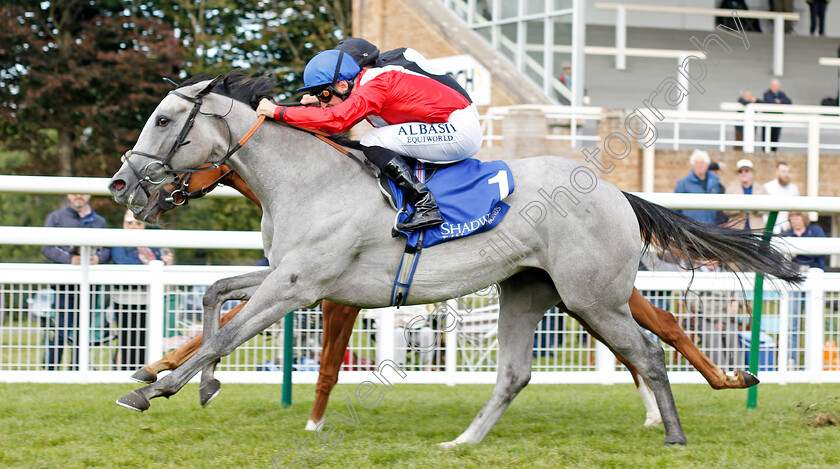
x=663, y=324
x=177, y=357
x=338, y=325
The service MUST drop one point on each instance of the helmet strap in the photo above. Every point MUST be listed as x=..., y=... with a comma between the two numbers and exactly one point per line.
x=345, y=95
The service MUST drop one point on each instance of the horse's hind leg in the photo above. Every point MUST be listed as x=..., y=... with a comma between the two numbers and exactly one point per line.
x=625, y=337
x=177, y=357
x=338, y=326
x=524, y=299
x=652, y=416
x=663, y=324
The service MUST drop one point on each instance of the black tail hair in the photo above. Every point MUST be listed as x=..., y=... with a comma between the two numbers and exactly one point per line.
x=693, y=241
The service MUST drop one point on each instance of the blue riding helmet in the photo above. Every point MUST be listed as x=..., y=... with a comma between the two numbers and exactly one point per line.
x=327, y=68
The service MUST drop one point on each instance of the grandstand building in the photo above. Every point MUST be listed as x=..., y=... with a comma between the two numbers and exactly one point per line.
x=510, y=54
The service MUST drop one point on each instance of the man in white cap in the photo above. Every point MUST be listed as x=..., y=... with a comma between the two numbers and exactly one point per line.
x=783, y=187
x=748, y=220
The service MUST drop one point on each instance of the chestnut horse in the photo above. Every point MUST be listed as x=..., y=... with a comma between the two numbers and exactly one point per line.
x=339, y=319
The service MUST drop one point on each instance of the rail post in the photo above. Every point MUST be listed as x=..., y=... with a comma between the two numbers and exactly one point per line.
x=288, y=342
x=755, y=325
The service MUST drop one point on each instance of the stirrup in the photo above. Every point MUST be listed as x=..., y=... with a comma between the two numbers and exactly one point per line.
x=395, y=232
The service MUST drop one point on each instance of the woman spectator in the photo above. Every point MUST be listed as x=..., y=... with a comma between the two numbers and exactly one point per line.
x=800, y=226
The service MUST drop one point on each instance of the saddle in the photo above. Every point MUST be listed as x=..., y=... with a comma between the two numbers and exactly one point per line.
x=470, y=196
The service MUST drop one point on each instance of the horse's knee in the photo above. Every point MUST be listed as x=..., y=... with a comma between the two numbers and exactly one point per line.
x=212, y=296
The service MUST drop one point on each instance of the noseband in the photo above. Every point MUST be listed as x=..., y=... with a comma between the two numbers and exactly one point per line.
x=181, y=195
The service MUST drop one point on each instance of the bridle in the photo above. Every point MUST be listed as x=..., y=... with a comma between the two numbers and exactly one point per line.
x=181, y=194
x=156, y=171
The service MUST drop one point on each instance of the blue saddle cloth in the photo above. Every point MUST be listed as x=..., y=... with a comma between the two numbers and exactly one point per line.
x=469, y=194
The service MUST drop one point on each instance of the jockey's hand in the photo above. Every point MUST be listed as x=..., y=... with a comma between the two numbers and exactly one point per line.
x=266, y=108
x=309, y=100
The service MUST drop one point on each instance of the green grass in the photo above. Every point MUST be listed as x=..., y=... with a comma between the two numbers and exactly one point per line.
x=59, y=425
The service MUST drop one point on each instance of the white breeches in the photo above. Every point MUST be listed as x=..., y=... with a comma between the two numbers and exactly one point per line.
x=457, y=139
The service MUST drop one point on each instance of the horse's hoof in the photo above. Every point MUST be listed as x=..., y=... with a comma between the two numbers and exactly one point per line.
x=134, y=400
x=750, y=379
x=653, y=421
x=680, y=441
x=311, y=426
x=144, y=376
x=448, y=444
x=208, y=391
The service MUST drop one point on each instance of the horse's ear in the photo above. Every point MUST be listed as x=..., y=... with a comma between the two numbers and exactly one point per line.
x=209, y=88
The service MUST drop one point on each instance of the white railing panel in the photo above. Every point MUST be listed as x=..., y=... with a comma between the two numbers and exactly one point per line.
x=563, y=351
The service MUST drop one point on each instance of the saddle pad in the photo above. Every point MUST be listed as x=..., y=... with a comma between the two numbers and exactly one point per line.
x=469, y=194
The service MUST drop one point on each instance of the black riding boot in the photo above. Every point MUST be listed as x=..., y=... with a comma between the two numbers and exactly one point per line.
x=426, y=212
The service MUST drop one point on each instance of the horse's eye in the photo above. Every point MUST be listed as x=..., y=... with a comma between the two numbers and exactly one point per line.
x=162, y=121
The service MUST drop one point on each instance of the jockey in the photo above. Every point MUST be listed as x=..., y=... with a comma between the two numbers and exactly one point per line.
x=413, y=115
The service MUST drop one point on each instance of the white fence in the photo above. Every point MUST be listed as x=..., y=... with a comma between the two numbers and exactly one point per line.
x=130, y=315
x=815, y=132
x=801, y=330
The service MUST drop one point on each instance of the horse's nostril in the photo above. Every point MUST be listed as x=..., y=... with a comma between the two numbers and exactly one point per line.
x=119, y=184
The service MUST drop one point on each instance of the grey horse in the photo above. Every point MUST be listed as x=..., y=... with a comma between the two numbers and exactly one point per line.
x=569, y=240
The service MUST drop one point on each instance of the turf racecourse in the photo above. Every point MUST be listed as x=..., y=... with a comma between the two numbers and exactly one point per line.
x=67, y=426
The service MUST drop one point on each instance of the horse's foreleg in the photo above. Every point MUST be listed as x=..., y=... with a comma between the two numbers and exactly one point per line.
x=338, y=326
x=177, y=357
x=663, y=324
x=264, y=309
x=234, y=288
x=524, y=299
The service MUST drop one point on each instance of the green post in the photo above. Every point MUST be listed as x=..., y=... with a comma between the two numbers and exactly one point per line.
x=755, y=325
x=288, y=342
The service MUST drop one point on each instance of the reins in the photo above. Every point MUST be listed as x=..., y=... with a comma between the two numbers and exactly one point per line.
x=180, y=195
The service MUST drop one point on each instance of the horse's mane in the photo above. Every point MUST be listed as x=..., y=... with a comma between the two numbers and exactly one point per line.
x=240, y=85
x=250, y=89
x=346, y=141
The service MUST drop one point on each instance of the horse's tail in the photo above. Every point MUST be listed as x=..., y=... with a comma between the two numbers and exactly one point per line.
x=693, y=241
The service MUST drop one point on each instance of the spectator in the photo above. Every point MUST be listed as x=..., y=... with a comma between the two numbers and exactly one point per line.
x=719, y=324
x=76, y=214
x=775, y=95
x=566, y=79
x=130, y=302
x=818, y=8
x=800, y=226
x=784, y=6
x=781, y=186
x=716, y=168
x=748, y=220
x=746, y=98
x=699, y=181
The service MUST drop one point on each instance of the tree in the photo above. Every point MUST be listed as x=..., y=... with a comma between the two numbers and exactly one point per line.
x=79, y=79
x=90, y=71
x=266, y=36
